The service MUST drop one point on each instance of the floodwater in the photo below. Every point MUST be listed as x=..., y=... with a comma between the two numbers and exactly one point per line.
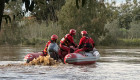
x=114, y=64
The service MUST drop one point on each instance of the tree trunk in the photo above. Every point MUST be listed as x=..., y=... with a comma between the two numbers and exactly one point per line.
x=2, y=4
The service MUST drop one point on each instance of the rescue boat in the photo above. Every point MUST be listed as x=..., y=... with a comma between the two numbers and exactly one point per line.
x=82, y=58
x=52, y=51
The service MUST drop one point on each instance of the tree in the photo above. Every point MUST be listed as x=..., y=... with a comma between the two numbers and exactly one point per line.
x=14, y=10
x=134, y=30
x=91, y=17
x=2, y=2
x=127, y=19
x=47, y=9
x=78, y=1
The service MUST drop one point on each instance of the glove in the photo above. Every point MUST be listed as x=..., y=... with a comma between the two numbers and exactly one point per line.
x=71, y=50
x=44, y=53
x=75, y=45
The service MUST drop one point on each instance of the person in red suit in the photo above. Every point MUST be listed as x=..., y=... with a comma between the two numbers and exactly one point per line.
x=53, y=39
x=67, y=41
x=86, y=43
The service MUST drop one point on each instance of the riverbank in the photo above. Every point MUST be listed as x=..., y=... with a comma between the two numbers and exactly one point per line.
x=120, y=42
x=130, y=42
x=105, y=43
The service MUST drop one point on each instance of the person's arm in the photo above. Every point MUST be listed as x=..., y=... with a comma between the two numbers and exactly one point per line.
x=46, y=47
x=70, y=39
x=93, y=43
x=81, y=43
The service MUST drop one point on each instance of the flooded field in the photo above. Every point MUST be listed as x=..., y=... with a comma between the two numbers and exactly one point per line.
x=114, y=64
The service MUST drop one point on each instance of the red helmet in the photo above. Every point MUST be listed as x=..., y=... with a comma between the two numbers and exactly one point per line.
x=54, y=37
x=72, y=31
x=84, y=32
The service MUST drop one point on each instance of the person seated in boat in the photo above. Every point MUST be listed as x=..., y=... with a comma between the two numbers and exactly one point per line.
x=53, y=39
x=68, y=41
x=86, y=43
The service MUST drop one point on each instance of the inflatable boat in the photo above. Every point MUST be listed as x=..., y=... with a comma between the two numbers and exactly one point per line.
x=82, y=58
x=29, y=57
x=52, y=51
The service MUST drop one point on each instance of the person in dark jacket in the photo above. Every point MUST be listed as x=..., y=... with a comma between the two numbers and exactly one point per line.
x=53, y=39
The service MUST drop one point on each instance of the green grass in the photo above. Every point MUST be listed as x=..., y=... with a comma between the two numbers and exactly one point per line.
x=113, y=41
x=29, y=33
x=129, y=42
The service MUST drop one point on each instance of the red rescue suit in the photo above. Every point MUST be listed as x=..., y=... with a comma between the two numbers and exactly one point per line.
x=85, y=44
x=66, y=42
x=46, y=47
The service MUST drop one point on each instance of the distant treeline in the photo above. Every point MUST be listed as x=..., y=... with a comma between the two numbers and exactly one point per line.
x=107, y=23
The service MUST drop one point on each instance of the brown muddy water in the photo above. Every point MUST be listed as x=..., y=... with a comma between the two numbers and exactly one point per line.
x=114, y=64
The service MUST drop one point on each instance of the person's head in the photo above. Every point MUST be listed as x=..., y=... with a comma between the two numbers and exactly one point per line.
x=72, y=31
x=54, y=37
x=84, y=33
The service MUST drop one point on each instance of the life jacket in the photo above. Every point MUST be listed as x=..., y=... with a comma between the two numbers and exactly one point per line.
x=47, y=44
x=65, y=41
x=88, y=43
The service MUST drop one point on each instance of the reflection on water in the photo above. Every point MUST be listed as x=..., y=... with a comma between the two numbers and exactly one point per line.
x=120, y=55
x=16, y=53
x=114, y=64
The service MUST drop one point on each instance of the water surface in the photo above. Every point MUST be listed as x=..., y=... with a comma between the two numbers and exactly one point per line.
x=114, y=64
